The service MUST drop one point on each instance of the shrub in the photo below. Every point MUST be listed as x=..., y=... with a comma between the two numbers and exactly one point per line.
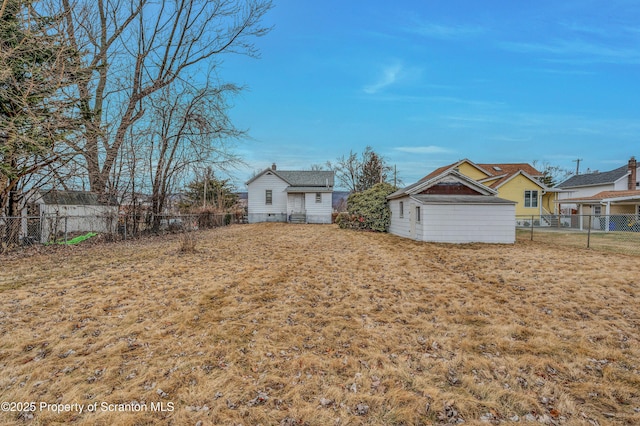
x=368, y=209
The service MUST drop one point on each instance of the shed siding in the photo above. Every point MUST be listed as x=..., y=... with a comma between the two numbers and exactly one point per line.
x=399, y=225
x=258, y=210
x=76, y=219
x=459, y=223
x=318, y=212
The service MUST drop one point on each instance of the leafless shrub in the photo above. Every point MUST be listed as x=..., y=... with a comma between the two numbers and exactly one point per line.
x=188, y=242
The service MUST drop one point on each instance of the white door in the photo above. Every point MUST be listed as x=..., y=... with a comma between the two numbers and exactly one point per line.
x=298, y=203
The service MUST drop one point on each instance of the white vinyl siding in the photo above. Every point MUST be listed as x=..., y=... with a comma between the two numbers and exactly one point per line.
x=399, y=224
x=258, y=209
x=455, y=223
x=318, y=212
x=460, y=223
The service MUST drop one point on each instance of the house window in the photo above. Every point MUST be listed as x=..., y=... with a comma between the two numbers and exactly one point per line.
x=318, y=197
x=418, y=214
x=531, y=198
x=597, y=210
x=268, y=196
x=401, y=208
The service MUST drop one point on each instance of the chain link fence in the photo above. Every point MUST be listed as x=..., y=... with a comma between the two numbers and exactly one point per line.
x=24, y=231
x=615, y=233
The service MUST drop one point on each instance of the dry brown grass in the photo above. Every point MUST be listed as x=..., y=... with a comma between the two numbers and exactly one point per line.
x=282, y=324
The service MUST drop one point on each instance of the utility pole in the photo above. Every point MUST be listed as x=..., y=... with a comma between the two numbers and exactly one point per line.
x=577, y=161
x=395, y=176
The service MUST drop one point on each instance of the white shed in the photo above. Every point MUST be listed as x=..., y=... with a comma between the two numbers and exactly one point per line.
x=452, y=208
x=71, y=212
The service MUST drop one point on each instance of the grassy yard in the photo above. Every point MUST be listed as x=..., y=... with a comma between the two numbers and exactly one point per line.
x=278, y=324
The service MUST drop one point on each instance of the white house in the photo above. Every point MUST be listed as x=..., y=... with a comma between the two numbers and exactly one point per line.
x=624, y=178
x=290, y=196
x=452, y=208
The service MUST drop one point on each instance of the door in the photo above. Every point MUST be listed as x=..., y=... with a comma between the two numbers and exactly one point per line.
x=298, y=203
x=412, y=221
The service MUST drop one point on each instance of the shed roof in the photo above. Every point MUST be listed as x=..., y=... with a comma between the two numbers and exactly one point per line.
x=596, y=178
x=77, y=198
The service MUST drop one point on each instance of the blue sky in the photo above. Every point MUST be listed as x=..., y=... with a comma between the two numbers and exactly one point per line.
x=427, y=83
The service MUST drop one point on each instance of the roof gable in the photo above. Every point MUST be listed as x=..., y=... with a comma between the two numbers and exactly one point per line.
x=496, y=173
x=506, y=179
x=451, y=178
x=454, y=166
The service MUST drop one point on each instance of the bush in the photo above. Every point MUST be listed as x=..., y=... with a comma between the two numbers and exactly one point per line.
x=368, y=209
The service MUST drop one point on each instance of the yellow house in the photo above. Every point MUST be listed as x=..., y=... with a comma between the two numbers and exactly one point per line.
x=519, y=182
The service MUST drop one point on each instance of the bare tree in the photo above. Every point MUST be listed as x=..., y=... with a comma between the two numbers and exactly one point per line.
x=359, y=173
x=135, y=49
x=189, y=126
x=347, y=170
x=552, y=175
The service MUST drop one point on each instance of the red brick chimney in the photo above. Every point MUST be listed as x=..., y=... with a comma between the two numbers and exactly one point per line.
x=273, y=167
x=632, y=174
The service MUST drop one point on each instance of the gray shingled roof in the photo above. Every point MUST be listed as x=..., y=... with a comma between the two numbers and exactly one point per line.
x=306, y=178
x=588, y=179
x=460, y=199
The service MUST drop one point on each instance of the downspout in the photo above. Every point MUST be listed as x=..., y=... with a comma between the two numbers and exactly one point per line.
x=608, y=213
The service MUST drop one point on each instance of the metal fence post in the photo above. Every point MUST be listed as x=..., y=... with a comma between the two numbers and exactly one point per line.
x=65, y=229
x=589, y=232
x=531, y=227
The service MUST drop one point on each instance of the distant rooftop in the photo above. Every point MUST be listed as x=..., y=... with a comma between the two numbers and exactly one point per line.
x=595, y=178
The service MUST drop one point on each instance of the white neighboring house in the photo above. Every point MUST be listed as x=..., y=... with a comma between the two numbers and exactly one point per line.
x=290, y=196
x=452, y=208
x=586, y=185
x=604, y=196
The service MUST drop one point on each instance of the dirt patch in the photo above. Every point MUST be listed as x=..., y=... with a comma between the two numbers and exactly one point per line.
x=297, y=324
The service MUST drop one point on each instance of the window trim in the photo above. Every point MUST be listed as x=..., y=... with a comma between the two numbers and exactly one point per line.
x=268, y=197
x=529, y=200
x=417, y=214
x=318, y=197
